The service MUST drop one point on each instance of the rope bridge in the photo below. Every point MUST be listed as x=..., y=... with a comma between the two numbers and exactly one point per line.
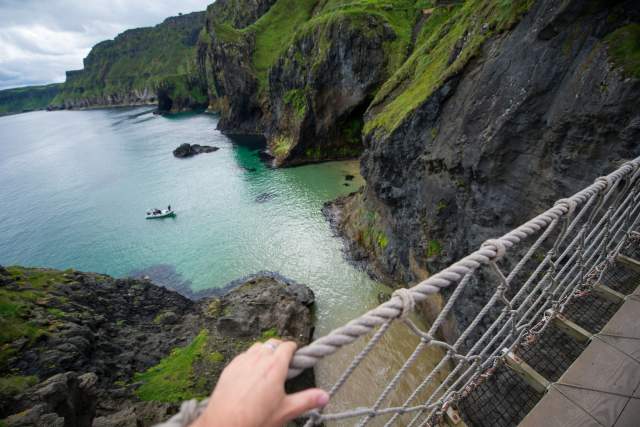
x=537, y=269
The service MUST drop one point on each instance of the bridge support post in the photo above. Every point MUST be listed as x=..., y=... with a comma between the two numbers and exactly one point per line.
x=629, y=262
x=608, y=293
x=453, y=419
x=572, y=329
x=526, y=372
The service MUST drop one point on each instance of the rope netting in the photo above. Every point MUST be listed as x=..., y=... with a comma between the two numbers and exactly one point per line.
x=544, y=267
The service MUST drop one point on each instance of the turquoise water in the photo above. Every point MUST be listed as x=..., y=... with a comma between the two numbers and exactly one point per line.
x=75, y=185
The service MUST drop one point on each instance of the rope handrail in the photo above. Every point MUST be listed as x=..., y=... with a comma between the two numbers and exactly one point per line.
x=582, y=236
x=491, y=250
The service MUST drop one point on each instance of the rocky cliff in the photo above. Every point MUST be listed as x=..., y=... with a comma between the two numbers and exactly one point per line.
x=29, y=98
x=83, y=349
x=302, y=73
x=141, y=66
x=502, y=108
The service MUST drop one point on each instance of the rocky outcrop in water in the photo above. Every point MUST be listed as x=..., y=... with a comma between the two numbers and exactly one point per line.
x=83, y=349
x=533, y=113
x=188, y=150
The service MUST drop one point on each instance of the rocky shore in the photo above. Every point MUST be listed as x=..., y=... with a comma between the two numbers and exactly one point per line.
x=84, y=349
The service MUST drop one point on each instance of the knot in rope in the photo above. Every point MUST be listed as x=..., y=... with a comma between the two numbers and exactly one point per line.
x=569, y=203
x=408, y=302
x=500, y=248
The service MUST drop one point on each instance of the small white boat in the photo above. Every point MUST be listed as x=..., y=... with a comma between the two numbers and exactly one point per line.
x=159, y=213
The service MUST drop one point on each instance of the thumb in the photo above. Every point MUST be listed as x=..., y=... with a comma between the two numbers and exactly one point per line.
x=297, y=404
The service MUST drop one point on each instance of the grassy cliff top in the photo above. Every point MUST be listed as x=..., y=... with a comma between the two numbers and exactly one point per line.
x=27, y=98
x=137, y=59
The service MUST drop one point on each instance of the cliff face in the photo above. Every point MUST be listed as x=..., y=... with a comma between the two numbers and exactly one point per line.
x=82, y=349
x=496, y=114
x=302, y=72
x=133, y=67
x=30, y=98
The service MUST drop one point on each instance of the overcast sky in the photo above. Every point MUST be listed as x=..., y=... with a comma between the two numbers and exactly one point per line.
x=41, y=39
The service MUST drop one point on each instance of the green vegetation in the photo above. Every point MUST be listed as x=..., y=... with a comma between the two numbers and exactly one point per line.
x=434, y=248
x=281, y=146
x=400, y=15
x=136, y=60
x=270, y=333
x=296, y=98
x=172, y=379
x=14, y=385
x=216, y=357
x=17, y=307
x=451, y=37
x=274, y=30
x=27, y=98
x=624, y=49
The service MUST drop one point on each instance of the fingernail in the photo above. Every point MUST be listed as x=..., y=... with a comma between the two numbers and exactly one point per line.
x=323, y=399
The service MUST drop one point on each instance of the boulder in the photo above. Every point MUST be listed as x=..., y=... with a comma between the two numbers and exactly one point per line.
x=188, y=150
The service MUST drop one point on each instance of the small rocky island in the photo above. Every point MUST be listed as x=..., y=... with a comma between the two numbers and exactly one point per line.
x=84, y=349
x=188, y=150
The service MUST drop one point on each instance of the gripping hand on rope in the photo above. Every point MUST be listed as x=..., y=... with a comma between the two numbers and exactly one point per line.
x=250, y=391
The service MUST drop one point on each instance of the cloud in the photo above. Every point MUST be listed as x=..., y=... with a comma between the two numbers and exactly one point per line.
x=40, y=40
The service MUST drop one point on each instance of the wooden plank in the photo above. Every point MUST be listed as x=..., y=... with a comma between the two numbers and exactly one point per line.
x=629, y=262
x=572, y=329
x=604, y=407
x=453, y=418
x=608, y=293
x=604, y=368
x=555, y=410
x=526, y=372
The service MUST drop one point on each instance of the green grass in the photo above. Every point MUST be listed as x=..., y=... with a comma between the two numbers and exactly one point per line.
x=624, y=49
x=14, y=385
x=27, y=98
x=430, y=65
x=273, y=32
x=172, y=380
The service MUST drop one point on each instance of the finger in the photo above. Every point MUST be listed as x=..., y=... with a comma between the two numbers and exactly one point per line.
x=297, y=404
x=255, y=348
x=283, y=355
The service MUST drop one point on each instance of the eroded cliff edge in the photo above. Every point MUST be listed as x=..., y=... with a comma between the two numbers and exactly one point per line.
x=84, y=349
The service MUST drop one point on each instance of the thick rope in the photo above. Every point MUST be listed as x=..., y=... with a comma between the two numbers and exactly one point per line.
x=587, y=236
x=494, y=249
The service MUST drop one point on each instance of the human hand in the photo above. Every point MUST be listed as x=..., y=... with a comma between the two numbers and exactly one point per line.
x=250, y=391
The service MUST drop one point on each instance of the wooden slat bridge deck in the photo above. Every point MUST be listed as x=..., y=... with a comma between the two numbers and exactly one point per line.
x=582, y=371
x=602, y=386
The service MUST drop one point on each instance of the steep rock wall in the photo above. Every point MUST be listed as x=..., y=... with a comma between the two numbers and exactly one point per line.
x=303, y=72
x=534, y=114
